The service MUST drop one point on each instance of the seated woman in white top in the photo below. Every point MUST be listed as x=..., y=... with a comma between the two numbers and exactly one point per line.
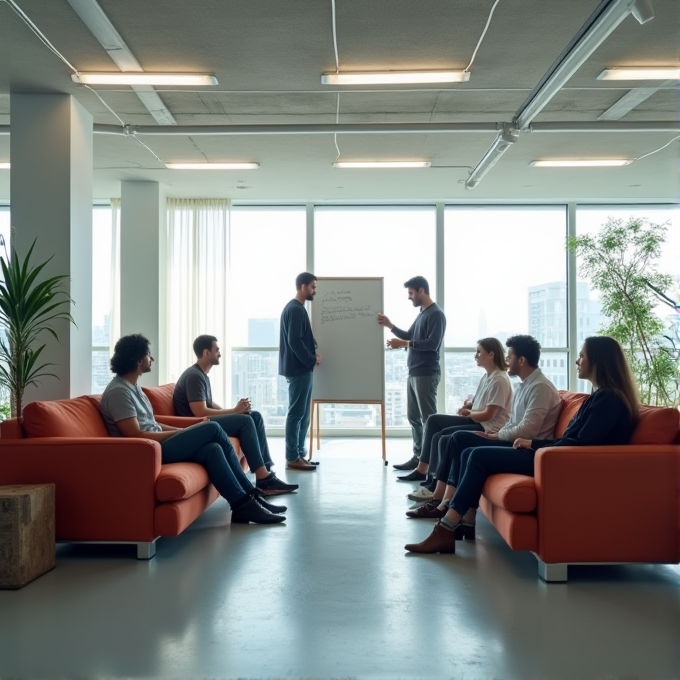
x=486, y=412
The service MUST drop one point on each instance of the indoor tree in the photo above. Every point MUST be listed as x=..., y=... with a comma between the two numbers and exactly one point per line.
x=28, y=308
x=621, y=262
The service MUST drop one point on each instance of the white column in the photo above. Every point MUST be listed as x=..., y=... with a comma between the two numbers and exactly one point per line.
x=142, y=230
x=51, y=200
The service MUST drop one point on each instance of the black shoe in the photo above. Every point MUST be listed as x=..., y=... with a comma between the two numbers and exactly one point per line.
x=427, y=481
x=432, y=485
x=252, y=511
x=410, y=464
x=273, y=486
x=414, y=476
x=274, y=509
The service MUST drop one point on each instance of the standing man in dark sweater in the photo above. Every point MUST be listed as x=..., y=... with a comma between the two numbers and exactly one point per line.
x=297, y=359
x=423, y=341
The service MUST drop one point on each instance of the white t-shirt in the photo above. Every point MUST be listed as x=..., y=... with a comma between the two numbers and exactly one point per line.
x=494, y=390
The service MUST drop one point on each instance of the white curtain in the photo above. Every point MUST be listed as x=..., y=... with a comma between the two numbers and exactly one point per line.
x=196, y=287
x=114, y=318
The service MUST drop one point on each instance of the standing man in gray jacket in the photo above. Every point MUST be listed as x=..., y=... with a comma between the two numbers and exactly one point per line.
x=423, y=342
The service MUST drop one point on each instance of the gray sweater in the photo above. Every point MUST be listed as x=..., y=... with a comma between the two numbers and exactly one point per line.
x=426, y=336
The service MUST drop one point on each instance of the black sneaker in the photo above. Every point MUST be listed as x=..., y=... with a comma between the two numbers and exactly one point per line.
x=252, y=511
x=273, y=486
x=413, y=476
x=275, y=509
x=410, y=464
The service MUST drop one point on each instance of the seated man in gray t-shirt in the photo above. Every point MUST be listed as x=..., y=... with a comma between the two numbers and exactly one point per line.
x=193, y=397
x=127, y=413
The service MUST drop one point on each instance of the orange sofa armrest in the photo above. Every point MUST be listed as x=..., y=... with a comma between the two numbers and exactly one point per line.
x=178, y=421
x=105, y=487
x=608, y=503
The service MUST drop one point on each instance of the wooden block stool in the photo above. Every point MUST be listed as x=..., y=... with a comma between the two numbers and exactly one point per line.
x=27, y=538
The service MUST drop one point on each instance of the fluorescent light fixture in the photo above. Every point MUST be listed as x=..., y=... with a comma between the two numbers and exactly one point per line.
x=395, y=77
x=641, y=73
x=591, y=163
x=212, y=166
x=382, y=164
x=144, y=79
x=505, y=139
x=4, y=166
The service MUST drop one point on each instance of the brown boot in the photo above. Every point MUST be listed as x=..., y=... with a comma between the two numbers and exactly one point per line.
x=427, y=511
x=441, y=540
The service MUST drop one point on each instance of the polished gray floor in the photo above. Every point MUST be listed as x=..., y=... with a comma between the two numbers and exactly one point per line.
x=331, y=594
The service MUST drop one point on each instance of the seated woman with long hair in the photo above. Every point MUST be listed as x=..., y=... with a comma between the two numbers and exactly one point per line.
x=486, y=412
x=607, y=417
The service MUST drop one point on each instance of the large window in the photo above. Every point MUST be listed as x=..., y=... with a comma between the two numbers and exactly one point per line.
x=102, y=278
x=267, y=251
x=505, y=274
x=394, y=243
x=590, y=220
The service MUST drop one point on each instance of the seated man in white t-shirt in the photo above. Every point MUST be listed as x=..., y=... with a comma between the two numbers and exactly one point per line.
x=127, y=412
x=193, y=397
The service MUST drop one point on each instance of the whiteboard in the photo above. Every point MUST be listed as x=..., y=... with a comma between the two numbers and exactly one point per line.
x=350, y=340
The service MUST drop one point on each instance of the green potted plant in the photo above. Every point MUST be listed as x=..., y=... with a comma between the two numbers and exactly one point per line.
x=621, y=262
x=28, y=308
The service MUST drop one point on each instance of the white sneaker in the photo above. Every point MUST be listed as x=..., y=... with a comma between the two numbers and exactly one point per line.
x=421, y=494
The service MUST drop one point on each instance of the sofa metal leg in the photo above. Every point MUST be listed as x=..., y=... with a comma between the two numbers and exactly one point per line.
x=145, y=551
x=552, y=573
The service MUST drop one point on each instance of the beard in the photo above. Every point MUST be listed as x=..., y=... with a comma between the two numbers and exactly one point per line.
x=310, y=297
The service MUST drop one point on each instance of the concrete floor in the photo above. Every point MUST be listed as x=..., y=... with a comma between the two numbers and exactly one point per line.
x=331, y=594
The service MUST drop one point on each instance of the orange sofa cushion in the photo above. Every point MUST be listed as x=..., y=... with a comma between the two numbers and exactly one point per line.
x=514, y=493
x=656, y=425
x=571, y=403
x=177, y=481
x=161, y=399
x=77, y=417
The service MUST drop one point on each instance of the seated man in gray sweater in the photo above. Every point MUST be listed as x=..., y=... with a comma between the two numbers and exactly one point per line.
x=193, y=397
x=127, y=412
x=423, y=342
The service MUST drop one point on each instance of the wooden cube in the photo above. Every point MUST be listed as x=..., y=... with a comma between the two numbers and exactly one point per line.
x=27, y=538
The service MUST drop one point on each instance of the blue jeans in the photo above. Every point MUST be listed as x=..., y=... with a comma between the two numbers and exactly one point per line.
x=249, y=429
x=207, y=444
x=480, y=462
x=297, y=418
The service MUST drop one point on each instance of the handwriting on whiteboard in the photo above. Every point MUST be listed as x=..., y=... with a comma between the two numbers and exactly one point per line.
x=337, y=306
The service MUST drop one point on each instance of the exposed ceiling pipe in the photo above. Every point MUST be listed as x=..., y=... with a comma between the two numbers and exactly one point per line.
x=601, y=23
x=378, y=128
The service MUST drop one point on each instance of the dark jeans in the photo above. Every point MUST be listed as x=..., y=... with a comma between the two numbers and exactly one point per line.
x=480, y=462
x=297, y=418
x=435, y=426
x=249, y=428
x=450, y=449
x=421, y=403
x=207, y=444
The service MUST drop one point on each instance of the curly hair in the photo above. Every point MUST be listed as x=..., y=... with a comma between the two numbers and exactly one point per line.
x=527, y=347
x=129, y=350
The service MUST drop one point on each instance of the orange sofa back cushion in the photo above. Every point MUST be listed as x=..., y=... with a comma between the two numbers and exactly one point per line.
x=161, y=399
x=571, y=403
x=656, y=425
x=64, y=418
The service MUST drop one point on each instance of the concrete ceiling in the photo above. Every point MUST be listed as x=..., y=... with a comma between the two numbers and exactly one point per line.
x=268, y=56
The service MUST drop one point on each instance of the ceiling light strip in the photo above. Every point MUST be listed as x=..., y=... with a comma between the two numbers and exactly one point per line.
x=144, y=78
x=641, y=73
x=582, y=163
x=394, y=77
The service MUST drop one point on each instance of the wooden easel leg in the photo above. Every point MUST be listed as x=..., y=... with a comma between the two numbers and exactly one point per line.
x=318, y=426
x=382, y=427
x=311, y=431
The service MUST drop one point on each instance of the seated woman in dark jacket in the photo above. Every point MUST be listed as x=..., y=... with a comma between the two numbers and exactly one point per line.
x=607, y=417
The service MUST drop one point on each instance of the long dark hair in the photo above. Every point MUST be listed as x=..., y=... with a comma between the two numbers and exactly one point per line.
x=609, y=368
x=494, y=345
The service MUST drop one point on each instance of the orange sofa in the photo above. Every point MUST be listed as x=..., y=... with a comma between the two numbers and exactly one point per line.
x=595, y=504
x=164, y=411
x=108, y=489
